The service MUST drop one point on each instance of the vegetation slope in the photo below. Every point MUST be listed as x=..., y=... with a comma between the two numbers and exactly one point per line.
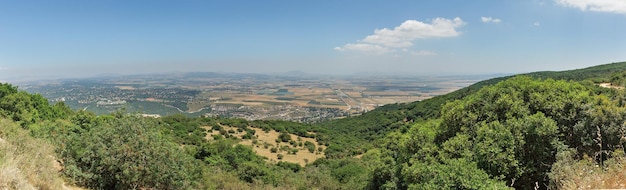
x=537, y=130
x=25, y=162
x=359, y=133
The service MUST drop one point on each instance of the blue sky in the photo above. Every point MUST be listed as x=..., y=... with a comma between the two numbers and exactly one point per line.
x=61, y=38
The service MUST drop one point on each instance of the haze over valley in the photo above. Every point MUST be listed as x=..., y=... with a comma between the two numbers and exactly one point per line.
x=302, y=98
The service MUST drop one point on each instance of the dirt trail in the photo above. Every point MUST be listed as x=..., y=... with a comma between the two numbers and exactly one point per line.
x=609, y=85
x=56, y=164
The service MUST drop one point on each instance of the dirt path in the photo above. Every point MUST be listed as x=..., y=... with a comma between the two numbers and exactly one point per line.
x=609, y=85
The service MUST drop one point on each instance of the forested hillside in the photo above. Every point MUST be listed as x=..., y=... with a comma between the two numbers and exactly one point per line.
x=538, y=130
x=509, y=134
x=357, y=133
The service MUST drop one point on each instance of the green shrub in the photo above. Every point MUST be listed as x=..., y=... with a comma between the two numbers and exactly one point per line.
x=290, y=166
x=310, y=146
x=128, y=153
x=284, y=137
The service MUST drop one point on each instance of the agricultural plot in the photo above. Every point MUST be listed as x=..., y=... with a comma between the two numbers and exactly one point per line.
x=250, y=96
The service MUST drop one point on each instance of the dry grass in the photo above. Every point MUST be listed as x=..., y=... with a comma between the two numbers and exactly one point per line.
x=310, y=91
x=326, y=96
x=302, y=157
x=25, y=162
x=597, y=179
x=585, y=174
x=125, y=87
x=303, y=95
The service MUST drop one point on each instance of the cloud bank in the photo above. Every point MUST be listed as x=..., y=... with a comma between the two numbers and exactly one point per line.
x=388, y=40
x=610, y=6
x=490, y=20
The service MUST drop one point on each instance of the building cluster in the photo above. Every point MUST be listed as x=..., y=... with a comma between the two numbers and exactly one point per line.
x=283, y=112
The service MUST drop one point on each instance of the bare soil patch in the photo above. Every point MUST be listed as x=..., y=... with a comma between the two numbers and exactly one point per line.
x=609, y=85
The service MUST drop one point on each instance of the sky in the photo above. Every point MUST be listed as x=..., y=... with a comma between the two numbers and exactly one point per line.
x=63, y=38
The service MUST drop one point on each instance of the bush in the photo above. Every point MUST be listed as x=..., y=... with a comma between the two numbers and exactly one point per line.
x=251, y=172
x=285, y=148
x=284, y=137
x=217, y=137
x=290, y=166
x=310, y=146
x=247, y=136
x=128, y=153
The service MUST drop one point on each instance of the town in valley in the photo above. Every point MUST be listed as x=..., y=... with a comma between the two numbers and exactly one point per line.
x=292, y=96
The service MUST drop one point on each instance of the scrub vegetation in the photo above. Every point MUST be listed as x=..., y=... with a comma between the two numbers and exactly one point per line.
x=538, y=130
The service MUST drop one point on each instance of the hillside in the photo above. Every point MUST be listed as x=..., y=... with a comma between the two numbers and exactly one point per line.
x=504, y=131
x=525, y=132
x=26, y=162
x=356, y=133
x=275, y=146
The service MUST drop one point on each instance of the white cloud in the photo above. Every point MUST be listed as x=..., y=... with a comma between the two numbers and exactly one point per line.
x=363, y=48
x=490, y=20
x=611, y=6
x=386, y=40
x=401, y=36
x=537, y=24
x=424, y=53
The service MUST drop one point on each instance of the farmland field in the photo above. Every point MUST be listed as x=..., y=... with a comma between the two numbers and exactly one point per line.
x=250, y=96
